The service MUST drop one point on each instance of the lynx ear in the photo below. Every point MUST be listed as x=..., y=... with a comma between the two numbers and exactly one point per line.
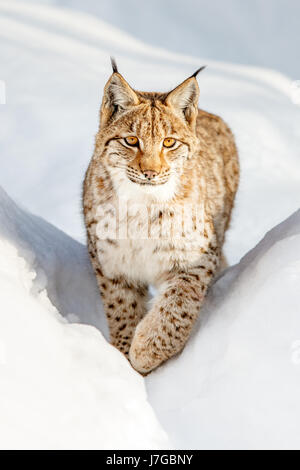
x=118, y=96
x=184, y=98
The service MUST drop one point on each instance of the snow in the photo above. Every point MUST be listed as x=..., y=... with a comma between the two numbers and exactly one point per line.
x=237, y=382
x=257, y=32
x=62, y=385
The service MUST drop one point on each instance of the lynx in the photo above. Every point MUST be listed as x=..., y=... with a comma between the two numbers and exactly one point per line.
x=158, y=196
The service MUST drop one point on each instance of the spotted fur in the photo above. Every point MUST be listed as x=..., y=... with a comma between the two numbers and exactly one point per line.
x=130, y=219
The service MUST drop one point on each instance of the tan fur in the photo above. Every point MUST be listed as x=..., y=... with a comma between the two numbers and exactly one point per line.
x=132, y=238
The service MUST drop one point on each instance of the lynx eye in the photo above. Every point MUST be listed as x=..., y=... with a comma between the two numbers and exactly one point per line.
x=132, y=141
x=169, y=142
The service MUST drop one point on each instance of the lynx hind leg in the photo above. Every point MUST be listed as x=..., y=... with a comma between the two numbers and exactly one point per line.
x=124, y=305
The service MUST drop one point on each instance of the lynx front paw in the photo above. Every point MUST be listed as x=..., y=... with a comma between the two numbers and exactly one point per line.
x=143, y=354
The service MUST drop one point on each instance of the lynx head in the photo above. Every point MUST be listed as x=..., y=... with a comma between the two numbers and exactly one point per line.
x=146, y=138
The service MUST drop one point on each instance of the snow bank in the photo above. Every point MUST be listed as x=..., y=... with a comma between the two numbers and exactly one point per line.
x=61, y=385
x=237, y=383
x=259, y=32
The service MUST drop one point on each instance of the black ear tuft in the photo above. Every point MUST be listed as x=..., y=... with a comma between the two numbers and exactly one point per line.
x=114, y=65
x=198, y=71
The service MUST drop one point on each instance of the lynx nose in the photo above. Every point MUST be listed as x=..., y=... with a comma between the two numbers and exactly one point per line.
x=150, y=174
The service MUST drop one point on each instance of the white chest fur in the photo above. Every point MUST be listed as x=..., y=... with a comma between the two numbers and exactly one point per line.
x=141, y=245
